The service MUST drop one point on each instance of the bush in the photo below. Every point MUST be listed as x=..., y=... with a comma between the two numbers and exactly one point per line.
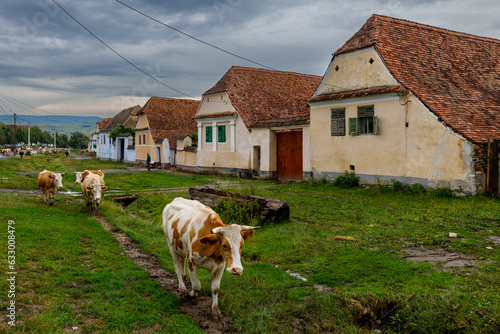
x=417, y=188
x=348, y=180
x=232, y=211
x=443, y=192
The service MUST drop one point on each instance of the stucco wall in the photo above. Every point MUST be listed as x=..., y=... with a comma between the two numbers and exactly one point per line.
x=149, y=146
x=411, y=144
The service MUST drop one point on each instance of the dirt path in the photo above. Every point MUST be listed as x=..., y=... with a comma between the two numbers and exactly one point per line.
x=198, y=309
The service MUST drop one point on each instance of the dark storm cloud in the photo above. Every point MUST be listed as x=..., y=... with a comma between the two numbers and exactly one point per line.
x=45, y=54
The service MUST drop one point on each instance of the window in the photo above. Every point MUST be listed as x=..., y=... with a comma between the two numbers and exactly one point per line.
x=144, y=139
x=140, y=142
x=365, y=123
x=338, y=122
x=221, y=134
x=208, y=134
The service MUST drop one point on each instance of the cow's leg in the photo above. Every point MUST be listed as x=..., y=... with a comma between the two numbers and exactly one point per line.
x=217, y=276
x=195, y=281
x=179, y=268
x=52, y=196
x=45, y=193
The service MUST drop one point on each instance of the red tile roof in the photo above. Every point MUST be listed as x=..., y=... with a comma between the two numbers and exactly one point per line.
x=358, y=93
x=121, y=118
x=265, y=98
x=170, y=118
x=102, y=123
x=456, y=75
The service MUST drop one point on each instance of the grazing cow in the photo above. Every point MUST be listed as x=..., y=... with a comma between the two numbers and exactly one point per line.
x=196, y=233
x=49, y=182
x=93, y=187
x=80, y=176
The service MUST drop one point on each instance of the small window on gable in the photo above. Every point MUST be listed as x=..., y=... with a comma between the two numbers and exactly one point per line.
x=338, y=122
x=365, y=123
x=221, y=133
x=140, y=141
x=208, y=134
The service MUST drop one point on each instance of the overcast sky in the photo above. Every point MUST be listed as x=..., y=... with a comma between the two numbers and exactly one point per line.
x=49, y=61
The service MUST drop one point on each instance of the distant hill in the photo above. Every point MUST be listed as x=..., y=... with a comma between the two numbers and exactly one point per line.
x=60, y=123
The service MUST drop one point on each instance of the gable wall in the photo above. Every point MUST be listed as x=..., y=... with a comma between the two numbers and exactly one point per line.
x=355, y=72
x=149, y=146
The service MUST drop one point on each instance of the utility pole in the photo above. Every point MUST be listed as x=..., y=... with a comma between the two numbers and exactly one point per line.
x=29, y=135
x=55, y=136
x=14, y=133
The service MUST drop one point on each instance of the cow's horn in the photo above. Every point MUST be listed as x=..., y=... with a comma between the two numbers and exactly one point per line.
x=247, y=228
x=216, y=230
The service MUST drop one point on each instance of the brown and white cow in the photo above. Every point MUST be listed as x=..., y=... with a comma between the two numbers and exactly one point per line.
x=49, y=182
x=93, y=187
x=196, y=233
x=80, y=176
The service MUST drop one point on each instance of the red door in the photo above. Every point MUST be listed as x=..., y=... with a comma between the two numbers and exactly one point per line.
x=289, y=155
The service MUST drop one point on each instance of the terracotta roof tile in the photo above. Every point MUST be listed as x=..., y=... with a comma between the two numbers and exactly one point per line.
x=102, y=123
x=456, y=75
x=170, y=118
x=358, y=93
x=263, y=97
x=215, y=115
x=121, y=118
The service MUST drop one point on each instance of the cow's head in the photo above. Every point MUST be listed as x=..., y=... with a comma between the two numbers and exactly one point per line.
x=230, y=239
x=97, y=190
x=78, y=177
x=58, y=180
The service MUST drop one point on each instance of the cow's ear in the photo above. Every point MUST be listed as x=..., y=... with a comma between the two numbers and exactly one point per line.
x=246, y=234
x=89, y=188
x=51, y=176
x=210, y=239
x=103, y=187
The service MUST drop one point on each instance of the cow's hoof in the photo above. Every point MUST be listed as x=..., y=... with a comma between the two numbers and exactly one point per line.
x=193, y=293
x=216, y=313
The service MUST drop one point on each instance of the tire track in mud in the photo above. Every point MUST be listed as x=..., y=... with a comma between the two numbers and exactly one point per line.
x=198, y=308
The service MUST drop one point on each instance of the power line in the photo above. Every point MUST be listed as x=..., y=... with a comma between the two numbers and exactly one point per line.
x=11, y=100
x=119, y=55
x=196, y=39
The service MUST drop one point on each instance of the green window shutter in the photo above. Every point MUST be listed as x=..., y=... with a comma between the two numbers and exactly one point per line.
x=374, y=125
x=338, y=122
x=353, y=126
x=208, y=134
x=221, y=135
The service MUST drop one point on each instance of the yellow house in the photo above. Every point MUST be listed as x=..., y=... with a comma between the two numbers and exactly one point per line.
x=161, y=122
x=409, y=102
x=256, y=121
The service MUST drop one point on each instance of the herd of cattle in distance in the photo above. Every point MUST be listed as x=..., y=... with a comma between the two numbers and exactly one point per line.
x=195, y=233
x=92, y=185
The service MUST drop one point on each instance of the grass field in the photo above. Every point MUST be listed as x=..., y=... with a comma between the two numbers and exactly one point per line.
x=347, y=245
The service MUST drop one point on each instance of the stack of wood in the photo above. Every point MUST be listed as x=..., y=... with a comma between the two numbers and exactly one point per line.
x=269, y=209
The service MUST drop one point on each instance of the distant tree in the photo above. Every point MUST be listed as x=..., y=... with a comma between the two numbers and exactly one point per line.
x=62, y=140
x=78, y=140
x=3, y=135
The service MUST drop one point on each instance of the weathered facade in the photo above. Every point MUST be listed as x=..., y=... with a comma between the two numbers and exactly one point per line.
x=240, y=120
x=161, y=121
x=121, y=148
x=408, y=102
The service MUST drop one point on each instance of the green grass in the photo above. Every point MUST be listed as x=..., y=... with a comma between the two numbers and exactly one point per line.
x=71, y=273
x=367, y=274
x=346, y=280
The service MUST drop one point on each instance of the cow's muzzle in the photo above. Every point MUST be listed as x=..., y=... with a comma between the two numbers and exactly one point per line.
x=235, y=271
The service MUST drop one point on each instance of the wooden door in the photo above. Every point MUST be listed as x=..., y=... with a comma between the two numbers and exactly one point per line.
x=289, y=155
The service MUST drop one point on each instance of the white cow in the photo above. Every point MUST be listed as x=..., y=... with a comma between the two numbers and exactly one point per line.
x=93, y=187
x=196, y=233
